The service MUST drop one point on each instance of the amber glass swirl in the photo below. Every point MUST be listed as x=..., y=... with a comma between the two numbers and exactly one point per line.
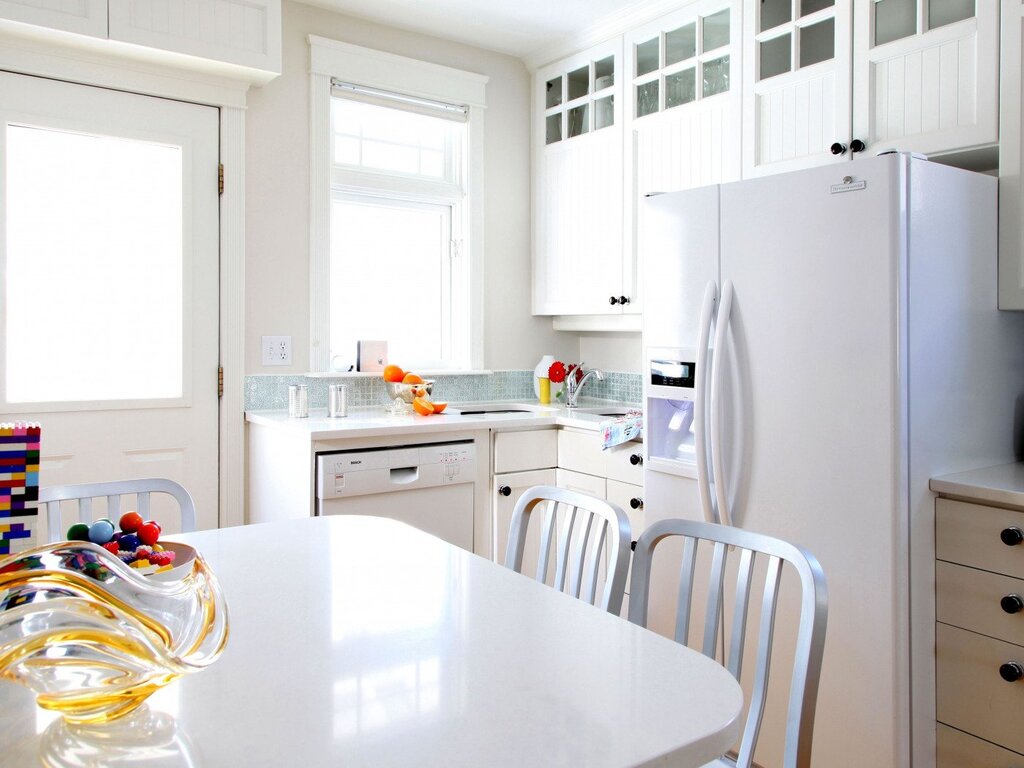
x=93, y=638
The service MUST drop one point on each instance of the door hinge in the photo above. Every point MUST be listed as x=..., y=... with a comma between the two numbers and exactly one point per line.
x=220, y=381
x=220, y=179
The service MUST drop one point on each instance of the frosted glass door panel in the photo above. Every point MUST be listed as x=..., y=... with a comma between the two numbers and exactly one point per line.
x=97, y=220
x=894, y=20
x=943, y=12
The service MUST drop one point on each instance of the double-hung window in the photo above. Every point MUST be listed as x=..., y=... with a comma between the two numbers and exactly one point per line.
x=398, y=249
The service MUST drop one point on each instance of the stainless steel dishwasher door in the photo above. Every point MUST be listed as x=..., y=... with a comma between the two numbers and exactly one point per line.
x=430, y=487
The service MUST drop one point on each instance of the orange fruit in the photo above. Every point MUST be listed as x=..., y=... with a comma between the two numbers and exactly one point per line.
x=393, y=373
x=411, y=378
x=422, y=407
x=438, y=407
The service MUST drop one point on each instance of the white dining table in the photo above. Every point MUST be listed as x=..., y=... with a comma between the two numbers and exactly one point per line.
x=359, y=641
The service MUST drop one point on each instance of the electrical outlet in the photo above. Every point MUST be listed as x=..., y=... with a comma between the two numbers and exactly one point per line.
x=277, y=350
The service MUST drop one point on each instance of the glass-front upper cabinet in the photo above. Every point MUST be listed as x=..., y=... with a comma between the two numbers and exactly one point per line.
x=926, y=74
x=579, y=94
x=682, y=58
x=797, y=83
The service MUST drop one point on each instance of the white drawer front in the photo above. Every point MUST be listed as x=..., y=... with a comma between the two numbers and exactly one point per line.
x=578, y=481
x=522, y=451
x=620, y=463
x=969, y=534
x=957, y=749
x=581, y=452
x=970, y=599
x=970, y=694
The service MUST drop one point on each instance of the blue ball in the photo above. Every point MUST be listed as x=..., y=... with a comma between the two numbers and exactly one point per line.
x=101, y=532
x=129, y=542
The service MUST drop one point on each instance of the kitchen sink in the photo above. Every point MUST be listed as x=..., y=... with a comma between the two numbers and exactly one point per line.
x=482, y=409
x=605, y=410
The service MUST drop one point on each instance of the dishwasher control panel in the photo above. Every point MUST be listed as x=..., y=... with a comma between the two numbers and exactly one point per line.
x=383, y=470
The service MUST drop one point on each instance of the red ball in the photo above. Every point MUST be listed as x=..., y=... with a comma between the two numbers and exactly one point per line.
x=149, y=533
x=111, y=546
x=130, y=522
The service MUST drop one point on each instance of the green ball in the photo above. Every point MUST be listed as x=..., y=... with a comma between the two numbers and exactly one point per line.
x=78, y=532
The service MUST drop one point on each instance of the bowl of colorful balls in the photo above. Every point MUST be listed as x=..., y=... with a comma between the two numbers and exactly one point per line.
x=136, y=542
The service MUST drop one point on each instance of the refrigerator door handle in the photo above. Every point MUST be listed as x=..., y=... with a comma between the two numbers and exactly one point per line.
x=717, y=361
x=707, y=312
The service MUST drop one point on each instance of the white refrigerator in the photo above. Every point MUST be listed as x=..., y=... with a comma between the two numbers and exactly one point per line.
x=818, y=345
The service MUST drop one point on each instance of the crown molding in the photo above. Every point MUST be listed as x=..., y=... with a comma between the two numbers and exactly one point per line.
x=614, y=24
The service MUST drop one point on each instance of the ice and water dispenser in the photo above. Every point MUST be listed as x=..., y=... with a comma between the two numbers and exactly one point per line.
x=670, y=390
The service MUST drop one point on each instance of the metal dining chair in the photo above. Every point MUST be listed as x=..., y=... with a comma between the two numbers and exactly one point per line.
x=580, y=531
x=114, y=492
x=751, y=549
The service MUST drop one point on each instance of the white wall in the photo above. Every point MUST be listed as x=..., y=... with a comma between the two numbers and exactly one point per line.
x=277, y=194
x=612, y=351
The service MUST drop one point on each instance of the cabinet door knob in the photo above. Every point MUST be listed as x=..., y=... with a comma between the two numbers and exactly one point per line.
x=838, y=148
x=505, y=490
x=636, y=502
x=623, y=300
x=857, y=146
x=612, y=300
x=1011, y=671
x=1012, y=604
x=1012, y=536
x=635, y=459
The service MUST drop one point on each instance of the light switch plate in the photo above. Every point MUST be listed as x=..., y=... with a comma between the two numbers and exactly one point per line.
x=277, y=350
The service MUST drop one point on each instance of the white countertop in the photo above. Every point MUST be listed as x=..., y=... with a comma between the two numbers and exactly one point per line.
x=1003, y=484
x=370, y=422
x=360, y=641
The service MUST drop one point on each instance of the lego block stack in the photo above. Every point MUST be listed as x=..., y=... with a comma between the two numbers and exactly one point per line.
x=19, y=486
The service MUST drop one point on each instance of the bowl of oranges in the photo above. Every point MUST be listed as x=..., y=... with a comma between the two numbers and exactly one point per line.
x=409, y=392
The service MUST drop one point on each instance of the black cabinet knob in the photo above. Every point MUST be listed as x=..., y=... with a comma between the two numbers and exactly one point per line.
x=857, y=146
x=1011, y=671
x=623, y=300
x=635, y=459
x=612, y=300
x=505, y=490
x=636, y=502
x=1012, y=604
x=838, y=149
x=1012, y=536
x=632, y=546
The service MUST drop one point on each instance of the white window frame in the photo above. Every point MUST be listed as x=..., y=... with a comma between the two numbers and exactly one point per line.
x=330, y=59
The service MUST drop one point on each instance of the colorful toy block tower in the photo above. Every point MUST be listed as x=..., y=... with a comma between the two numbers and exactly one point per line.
x=19, y=486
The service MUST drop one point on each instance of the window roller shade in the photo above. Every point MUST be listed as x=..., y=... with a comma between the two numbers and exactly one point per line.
x=456, y=112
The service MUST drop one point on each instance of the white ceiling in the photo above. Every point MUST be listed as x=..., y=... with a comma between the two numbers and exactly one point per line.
x=517, y=27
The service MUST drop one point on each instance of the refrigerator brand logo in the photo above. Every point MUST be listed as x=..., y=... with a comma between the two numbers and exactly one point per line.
x=848, y=185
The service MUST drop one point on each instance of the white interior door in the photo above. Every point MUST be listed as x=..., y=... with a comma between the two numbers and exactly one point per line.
x=109, y=284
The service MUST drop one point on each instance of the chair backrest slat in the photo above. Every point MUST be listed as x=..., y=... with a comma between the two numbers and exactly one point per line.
x=766, y=633
x=595, y=560
x=587, y=534
x=810, y=636
x=685, y=596
x=713, y=615
x=548, y=534
x=741, y=604
x=114, y=492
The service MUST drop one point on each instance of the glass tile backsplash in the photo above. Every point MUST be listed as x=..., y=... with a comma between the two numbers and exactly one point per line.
x=268, y=392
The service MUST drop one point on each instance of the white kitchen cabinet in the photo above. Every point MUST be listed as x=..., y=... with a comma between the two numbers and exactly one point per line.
x=1011, y=151
x=84, y=17
x=579, y=266
x=506, y=488
x=920, y=77
x=797, y=83
x=236, y=38
x=926, y=75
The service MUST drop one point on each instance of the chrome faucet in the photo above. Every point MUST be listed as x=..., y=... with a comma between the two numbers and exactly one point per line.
x=573, y=387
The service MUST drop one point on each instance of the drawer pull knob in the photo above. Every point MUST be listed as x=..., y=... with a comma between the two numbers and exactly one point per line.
x=1012, y=604
x=636, y=502
x=1011, y=671
x=1012, y=536
x=635, y=459
x=505, y=490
